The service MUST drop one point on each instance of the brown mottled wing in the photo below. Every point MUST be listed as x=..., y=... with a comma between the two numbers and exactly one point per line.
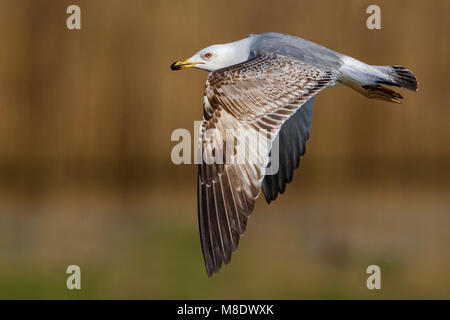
x=244, y=106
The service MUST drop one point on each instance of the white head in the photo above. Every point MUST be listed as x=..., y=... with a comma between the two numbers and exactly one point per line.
x=217, y=56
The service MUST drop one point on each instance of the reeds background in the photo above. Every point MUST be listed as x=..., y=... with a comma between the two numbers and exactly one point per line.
x=86, y=177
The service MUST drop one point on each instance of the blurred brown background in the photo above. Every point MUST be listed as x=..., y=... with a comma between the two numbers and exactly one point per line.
x=86, y=177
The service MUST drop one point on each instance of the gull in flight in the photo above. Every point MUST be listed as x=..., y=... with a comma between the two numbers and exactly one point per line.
x=265, y=83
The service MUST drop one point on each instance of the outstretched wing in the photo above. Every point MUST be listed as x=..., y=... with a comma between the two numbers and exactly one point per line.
x=245, y=106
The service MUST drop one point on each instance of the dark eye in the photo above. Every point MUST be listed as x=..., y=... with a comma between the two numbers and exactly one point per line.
x=207, y=55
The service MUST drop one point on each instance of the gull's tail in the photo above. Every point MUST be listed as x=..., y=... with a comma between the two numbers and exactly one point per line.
x=368, y=80
x=399, y=76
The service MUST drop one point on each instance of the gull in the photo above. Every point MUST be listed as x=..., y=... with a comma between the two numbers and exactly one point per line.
x=265, y=83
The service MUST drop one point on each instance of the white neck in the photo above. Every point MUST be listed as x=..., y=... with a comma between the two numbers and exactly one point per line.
x=224, y=55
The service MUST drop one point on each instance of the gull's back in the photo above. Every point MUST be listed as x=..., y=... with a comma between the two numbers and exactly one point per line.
x=306, y=51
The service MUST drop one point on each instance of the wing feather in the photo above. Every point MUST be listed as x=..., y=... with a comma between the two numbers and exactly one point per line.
x=292, y=139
